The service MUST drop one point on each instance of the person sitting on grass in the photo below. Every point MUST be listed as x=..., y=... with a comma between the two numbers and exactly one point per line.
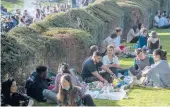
x=158, y=74
x=132, y=36
x=143, y=38
x=92, y=66
x=11, y=97
x=141, y=61
x=64, y=69
x=163, y=22
x=113, y=39
x=112, y=61
x=153, y=42
x=38, y=88
x=70, y=95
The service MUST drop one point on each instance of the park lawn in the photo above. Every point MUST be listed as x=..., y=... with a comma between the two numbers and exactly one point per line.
x=139, y=96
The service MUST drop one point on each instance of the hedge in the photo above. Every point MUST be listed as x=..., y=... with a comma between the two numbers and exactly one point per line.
x=75, y=18
x=72, y=48
x=111, y=17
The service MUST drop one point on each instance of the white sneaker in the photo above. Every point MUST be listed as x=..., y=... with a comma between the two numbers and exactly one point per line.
x=31, y=102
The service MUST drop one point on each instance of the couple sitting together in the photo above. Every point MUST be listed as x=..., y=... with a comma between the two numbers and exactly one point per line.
x=153, y=72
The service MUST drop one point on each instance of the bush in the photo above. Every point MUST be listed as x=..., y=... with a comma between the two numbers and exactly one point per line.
x=71, y=49
x=109, y=13
x=75, y=18
x=15, y=56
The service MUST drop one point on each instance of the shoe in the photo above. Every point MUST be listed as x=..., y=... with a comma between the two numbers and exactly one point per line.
x=31, y=102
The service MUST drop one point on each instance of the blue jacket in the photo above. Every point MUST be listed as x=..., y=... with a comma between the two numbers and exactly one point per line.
x=142, y=41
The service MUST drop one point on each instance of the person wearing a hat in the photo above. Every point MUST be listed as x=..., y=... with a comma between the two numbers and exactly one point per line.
x=153, y=42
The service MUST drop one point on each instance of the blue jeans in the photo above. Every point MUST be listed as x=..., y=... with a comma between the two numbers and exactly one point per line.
x=50, y=95
x=119, y=70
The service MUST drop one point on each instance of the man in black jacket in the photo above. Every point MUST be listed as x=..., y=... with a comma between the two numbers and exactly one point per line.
x=37, y=86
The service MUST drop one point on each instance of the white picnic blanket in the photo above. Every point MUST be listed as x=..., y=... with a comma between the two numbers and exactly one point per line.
x=108, y=92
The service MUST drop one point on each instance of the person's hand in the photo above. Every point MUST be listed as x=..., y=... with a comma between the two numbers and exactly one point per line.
x=105, y=82
x=113, y=76
x=115, y=65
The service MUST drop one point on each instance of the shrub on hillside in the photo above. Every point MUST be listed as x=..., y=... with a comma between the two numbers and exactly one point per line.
x=74, y=46
x=75, y=18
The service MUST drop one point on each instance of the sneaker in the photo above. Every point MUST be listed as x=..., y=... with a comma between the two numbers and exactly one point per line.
x=31, y=102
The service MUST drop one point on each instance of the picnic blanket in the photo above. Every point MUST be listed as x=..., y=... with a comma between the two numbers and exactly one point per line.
x=114, y=91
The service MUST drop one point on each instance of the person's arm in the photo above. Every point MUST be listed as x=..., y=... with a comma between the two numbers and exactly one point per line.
x=96, y=74
x=135, y=65
x=92, y=68
x=79, y=95
x=148, y=43
x=107, y=69
x=134, y=34
x=57, y=81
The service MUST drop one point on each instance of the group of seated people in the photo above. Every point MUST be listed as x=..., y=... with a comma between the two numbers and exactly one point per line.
x=149, y=42
x=162, y=20
x=98, y=66
x=66, y=91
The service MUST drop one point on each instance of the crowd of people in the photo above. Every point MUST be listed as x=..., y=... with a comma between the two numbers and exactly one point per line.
x=162, y=20
x=102, y=64
x=10, y=20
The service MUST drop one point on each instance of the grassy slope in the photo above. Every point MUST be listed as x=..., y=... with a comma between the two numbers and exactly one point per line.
x=139, y=96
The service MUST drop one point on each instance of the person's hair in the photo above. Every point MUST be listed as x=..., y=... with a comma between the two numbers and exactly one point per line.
x=139, y=50
x=97, y=53
x=62, y=94
x=41, y=69
x=6, y=88
x=118, y=29
x=113, y=35
x=93, y=48
x=110, y=46
x=161, y=53
x=154, y=34
x=143, y=30
x=63, y=68
x=135, y=27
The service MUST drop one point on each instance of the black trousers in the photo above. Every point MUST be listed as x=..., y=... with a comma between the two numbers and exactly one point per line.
x=134, y=40
x=87, y=100
x=105, y=75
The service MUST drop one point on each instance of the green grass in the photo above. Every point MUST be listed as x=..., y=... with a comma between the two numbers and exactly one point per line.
x=10, y=4
x=139, y=96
